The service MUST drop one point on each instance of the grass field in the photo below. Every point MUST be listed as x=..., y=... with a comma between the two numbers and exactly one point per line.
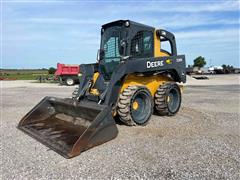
x=22, y=74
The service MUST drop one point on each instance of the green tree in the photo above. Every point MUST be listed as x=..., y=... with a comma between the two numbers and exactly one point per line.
x=199, y=62
x=224, y=66
x=227, y=68
x=51, y=70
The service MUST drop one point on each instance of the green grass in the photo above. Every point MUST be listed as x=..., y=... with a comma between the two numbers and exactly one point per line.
x=26, y=74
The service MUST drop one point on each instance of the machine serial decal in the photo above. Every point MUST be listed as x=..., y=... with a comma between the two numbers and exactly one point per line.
x=154, y=64
x=179, y=59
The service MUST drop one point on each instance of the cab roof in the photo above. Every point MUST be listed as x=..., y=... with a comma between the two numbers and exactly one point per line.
x=121, y=22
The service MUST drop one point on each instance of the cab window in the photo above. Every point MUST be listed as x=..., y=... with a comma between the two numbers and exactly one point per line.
x=166, y=47
x=142, y=44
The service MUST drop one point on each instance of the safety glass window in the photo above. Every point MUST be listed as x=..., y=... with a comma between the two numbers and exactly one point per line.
x=141, y=45
x=147, y=42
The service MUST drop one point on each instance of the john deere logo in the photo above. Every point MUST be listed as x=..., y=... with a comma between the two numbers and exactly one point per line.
x=169, y=61
x=154, y=64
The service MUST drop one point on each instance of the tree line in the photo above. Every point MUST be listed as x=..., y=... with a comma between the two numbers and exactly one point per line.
x=201, y=62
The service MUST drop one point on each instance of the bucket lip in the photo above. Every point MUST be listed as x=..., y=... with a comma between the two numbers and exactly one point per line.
x=50, y=144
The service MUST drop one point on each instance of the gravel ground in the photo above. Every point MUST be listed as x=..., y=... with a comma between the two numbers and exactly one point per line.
x=200, y=142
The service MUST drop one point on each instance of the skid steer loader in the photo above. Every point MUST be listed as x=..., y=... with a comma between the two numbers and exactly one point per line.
x=133, y=77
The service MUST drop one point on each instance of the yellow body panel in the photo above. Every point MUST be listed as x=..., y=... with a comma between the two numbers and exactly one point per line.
x=95, y=76
x=157, y=46
x=151, y=82
x=93, y=90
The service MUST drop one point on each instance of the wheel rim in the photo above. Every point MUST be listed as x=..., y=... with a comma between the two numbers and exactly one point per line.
x=141, y=108
x=69, y=81
x=173, y=100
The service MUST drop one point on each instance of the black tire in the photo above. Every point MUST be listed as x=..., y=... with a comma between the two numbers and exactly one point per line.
x=70, y=81
x=168, y=99
x=131, y=115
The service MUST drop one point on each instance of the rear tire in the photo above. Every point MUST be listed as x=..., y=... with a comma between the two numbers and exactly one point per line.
x=135, y=106
x=70, y=81
x=168, y=99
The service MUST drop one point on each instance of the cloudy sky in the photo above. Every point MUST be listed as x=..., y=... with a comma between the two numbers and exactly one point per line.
x=37, y=34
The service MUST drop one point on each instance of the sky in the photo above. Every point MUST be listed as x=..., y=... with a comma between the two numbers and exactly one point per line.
x=41, y=33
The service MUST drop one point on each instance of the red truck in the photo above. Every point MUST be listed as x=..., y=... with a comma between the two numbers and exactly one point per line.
x=67, y=73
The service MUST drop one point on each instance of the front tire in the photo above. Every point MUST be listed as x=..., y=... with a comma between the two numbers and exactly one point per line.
x=168, y=99
x=135, y=106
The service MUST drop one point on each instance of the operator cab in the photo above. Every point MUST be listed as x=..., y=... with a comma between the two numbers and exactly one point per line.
x=122, y=40
x=125, y=40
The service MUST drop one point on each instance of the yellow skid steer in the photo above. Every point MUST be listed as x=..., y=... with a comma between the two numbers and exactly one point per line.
x=133, y=77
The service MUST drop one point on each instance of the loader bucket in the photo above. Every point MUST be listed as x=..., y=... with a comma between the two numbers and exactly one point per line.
x=69, y=128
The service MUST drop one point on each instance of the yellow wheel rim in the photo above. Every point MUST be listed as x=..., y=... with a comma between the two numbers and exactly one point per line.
x=135, y=105
x=168, y=99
